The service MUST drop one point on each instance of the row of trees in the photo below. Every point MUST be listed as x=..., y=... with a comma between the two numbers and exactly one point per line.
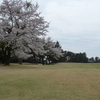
x=68, y=56
x=52, y=55
x=78, y=57
x=75, y=57
x=94, y=60
x=22, y=33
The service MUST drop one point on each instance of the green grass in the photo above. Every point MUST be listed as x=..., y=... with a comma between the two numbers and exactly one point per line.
x=63, y=81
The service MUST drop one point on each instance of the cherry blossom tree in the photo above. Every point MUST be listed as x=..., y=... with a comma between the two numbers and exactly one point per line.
x=48, y=52
x=39, y=51
x=52, y=51
x=20, y=28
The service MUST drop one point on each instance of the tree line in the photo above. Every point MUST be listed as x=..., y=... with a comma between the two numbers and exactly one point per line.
x=78, y=57
x=49, y=58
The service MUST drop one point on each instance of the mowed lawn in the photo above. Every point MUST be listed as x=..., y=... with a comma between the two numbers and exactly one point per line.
x=63, y=81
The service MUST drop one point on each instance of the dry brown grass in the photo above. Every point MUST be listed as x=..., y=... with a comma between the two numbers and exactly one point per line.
x=63, y=81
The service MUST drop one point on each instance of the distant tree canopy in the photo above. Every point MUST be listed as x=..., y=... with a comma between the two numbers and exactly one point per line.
x=69, y=56
x=74, y=57
x=94, y=60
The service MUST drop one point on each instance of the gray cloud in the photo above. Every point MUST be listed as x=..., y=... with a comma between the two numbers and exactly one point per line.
x=75, y=23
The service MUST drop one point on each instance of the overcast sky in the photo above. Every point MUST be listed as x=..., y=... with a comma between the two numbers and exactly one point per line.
x=74, y=23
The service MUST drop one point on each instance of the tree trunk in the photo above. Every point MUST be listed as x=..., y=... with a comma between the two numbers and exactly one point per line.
x=3, y=56
x=35, y=59
x=49, y=61
x=7, y=57
x=20, y=61
x=6, y=54
x=42, y=60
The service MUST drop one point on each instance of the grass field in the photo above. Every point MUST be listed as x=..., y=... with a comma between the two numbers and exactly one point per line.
x=63, y=81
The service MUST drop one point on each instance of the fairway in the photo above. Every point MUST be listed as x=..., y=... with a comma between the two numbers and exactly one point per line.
x=63, y=81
